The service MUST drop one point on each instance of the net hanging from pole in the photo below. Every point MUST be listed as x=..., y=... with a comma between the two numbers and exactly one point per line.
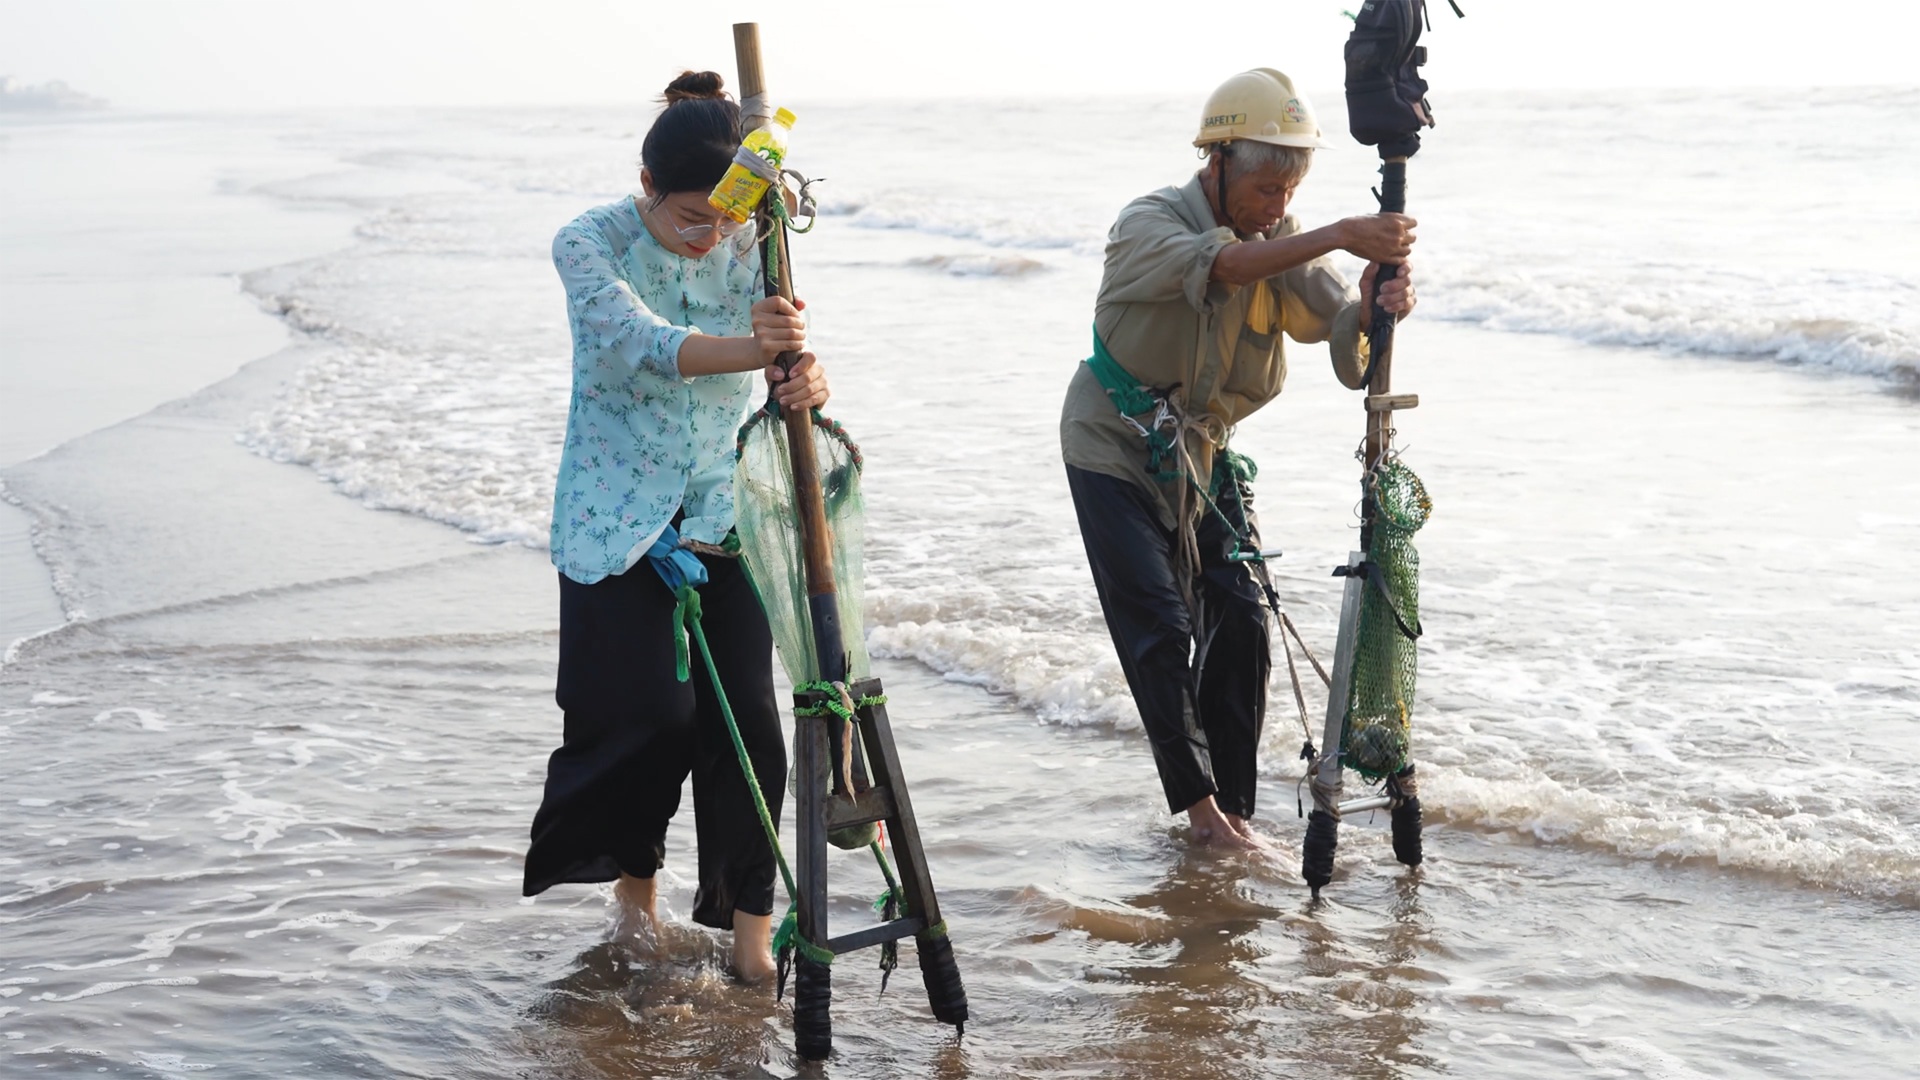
x=769, y=534
x=1376, y=738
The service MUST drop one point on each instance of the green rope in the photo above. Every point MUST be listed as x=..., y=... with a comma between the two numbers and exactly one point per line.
x=686, y=606
x=1231, y=465
x=890, y=905
x=832, y=705
x=1239, y=534
x=886, y=871
x=788, y=936
x=821, y=421
x=777, y=206
x=1132, y=399
x=690, y=600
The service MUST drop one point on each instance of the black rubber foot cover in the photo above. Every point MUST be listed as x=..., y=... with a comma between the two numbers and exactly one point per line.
x=812, y=1000
x=1406, y=832
x=942, y=975
x=1316, y=856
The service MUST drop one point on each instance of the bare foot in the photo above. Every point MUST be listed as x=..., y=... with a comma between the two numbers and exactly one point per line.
x=753, y=947
x=1245, y=829
x=1211, y=828
x=637, y=920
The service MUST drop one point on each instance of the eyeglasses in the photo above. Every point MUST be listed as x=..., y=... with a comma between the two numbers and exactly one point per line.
x=700, y=234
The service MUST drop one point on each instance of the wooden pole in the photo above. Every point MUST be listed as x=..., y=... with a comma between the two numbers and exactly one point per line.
x=814, y=739
x=746, y=54
x=816, y=536
x=819, y=741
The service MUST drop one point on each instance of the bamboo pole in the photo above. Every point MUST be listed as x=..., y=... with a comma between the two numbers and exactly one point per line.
x=816, y=538
x=814, y=746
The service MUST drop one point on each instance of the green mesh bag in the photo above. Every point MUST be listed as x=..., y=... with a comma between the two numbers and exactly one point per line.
x=770, y=538
x=1375, y=741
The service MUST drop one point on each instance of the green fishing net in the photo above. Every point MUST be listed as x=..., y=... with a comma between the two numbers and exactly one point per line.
x=768, y=528
x=1375, y=741
x=770, y=538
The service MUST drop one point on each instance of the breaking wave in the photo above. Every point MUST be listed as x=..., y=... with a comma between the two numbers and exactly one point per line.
x=1757, y=317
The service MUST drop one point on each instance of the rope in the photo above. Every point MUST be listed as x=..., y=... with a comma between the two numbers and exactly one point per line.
x=788, y=939
x=686, y=605
x=1133, y=400
x=690, y=601
x=821, y=422
x=893, y=893
x=1310, y=754
x=1325, y=678
x=891, y=904
x=838, y=700
x=1299, y=698
x=777, y=202
x=834, y=700
x=726, y=549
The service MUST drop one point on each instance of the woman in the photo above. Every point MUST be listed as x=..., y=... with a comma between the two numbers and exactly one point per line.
x=660, y=294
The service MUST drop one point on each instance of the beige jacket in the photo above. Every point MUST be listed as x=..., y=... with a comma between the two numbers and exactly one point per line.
x=1168, y=325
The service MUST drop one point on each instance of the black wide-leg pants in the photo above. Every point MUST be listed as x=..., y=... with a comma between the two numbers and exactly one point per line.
x=1198, y=677
x=634, y=732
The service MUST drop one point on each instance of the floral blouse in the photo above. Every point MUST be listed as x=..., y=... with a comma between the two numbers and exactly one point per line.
x=642, y=441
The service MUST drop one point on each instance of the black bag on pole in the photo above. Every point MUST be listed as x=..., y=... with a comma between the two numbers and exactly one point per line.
x=1386, y=97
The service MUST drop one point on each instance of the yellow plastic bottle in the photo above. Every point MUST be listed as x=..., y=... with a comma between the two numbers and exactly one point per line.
x=741, y=190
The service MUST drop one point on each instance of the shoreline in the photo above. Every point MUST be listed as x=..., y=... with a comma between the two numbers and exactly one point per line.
x=179, y=321
x=220, y=524
x=29, y=604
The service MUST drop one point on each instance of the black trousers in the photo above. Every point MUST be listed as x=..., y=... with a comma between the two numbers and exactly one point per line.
x=633, y=733
x=1199, y=677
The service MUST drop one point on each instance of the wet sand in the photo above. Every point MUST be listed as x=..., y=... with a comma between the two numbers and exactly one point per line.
x=119, y=302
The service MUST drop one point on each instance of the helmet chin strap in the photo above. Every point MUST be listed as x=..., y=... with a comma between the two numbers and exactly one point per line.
x=1220, y=179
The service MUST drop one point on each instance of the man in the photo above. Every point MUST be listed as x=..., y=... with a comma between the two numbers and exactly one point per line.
x=1200, y=282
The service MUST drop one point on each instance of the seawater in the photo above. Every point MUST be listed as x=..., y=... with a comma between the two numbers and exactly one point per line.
x=271, y=791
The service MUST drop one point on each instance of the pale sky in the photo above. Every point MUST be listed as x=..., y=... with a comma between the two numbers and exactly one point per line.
x=246, y=54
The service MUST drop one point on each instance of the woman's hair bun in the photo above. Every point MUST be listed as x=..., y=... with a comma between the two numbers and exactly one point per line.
x=692, y=142
x=695, y=84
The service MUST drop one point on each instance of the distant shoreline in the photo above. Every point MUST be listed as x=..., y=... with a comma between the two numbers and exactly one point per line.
x=52, y=96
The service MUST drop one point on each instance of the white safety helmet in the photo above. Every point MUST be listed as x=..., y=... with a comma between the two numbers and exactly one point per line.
x=1260, y=105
